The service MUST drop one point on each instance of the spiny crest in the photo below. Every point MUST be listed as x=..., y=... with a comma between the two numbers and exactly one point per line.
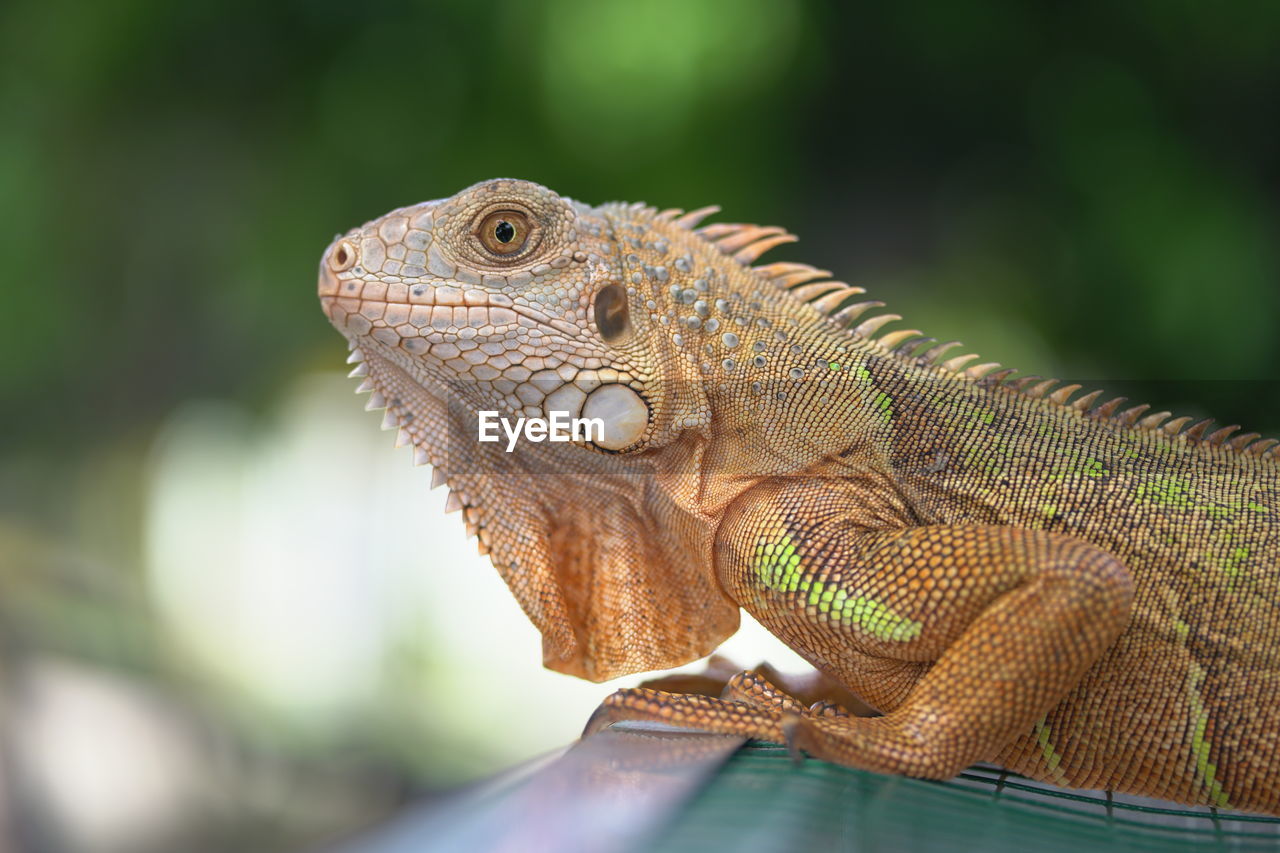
x=746, y=243
x=1135, y=417
x=743, y=242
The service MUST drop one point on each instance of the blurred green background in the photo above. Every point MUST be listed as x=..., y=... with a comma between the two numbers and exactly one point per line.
x=231, y=616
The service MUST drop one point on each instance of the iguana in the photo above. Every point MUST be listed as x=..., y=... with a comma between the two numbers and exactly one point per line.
x=1008, y=570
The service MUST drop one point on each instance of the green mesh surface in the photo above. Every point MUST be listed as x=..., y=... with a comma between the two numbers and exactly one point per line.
x=637, y=790
x=762, y=801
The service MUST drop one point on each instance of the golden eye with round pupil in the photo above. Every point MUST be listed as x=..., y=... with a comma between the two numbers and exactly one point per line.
x=504, y=232
x=613, y=315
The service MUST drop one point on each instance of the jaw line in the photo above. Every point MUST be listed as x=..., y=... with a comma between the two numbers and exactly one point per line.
x=424, y=295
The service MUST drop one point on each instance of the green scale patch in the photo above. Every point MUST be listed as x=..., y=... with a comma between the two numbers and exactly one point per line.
x=779, y=567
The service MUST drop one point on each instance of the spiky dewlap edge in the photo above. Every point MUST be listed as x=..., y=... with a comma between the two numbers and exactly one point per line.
x=457, y=499
x=837, y=300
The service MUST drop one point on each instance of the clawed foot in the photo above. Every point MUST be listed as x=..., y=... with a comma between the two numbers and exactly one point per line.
x=749, y=706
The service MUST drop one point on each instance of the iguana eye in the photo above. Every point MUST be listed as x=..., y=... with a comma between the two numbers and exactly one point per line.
x=504, y=232
x=613, y=315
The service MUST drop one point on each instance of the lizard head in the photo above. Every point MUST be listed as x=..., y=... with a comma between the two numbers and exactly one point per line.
x=521, y=303
x=509, y=299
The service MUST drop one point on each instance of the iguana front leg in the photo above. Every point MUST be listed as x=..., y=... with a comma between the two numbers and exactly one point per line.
x=964, y=636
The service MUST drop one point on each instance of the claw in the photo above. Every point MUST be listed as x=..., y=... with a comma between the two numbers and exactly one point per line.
x=791, y=727
x=601, y=719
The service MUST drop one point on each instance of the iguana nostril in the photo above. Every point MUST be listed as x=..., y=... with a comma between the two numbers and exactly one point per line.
x=342, y=256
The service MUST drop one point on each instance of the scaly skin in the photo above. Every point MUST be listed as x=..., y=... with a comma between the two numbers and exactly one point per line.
x=1084, y=595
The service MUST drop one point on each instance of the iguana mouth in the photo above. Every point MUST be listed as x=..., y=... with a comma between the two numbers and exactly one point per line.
x=399, y=314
